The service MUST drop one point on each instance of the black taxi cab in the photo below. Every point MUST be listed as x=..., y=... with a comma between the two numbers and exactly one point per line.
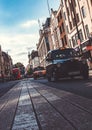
x=61, y=63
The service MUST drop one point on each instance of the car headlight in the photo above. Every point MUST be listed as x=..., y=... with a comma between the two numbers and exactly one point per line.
x=58, y=65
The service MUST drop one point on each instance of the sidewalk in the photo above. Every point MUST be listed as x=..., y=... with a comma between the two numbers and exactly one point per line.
x=33, y=106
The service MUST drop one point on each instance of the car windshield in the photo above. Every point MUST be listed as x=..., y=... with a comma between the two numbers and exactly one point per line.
x=38, y=68
x=65, y=53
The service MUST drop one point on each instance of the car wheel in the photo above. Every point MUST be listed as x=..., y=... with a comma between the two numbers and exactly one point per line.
x=85, y=75
x=49, y=79
x=54, y=77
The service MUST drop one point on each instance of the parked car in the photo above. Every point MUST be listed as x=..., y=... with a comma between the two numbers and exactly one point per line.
x=39, y=72
x=66, y=62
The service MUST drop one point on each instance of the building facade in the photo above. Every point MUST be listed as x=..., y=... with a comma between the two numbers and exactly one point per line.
x=62, y=33
x=45, y=42
x=69, y=26
x=6, y=64
x=78, y=20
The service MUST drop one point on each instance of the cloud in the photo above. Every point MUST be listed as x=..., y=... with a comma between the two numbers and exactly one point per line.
x=20, y=39
x=19, y=45
x=21, y=54
x=29, y=24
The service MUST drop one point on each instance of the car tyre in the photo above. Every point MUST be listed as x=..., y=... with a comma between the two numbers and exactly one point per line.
x=52, y=77
x=85, y=75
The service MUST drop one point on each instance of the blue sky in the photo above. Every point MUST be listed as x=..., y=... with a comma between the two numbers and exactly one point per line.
x=19, y=28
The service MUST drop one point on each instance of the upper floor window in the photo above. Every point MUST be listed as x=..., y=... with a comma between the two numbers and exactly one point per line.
x=64, y=15
x=70, y=24
x=67, y=29
x=83, y=11
x=62, y=2
x=87, y=30
x=81, y=35
x=68, y=13
x=91, y=2
x=77, y=18
x=74, y=2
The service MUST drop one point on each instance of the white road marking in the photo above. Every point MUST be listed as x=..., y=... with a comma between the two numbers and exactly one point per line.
x=25, y=118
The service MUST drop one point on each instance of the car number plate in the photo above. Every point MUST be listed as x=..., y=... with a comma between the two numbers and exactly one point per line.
x=74, y=73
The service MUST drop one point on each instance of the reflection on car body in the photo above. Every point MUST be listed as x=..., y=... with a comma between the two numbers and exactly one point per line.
x=39, y=72
x=65, y=63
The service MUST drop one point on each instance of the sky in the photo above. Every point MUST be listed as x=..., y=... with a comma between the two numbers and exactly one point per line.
x=19, y=28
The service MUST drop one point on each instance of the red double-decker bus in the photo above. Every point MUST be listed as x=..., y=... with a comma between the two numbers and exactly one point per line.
x=16, y=73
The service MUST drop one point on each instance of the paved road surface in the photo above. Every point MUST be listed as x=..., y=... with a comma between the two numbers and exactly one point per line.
x=33, y=106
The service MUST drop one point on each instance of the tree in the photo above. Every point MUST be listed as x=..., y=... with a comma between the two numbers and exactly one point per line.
x=20, y=66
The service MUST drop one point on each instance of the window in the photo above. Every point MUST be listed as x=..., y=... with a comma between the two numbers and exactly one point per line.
x=74, y=22
x=76, y=37
x=47, y=43
x=65, y=40
x=70, y=25
x=77, y=18
x=64, y=15
x=81, y=35
x=60, y=15
x=87, y=30
x=67, y=29
x=74, y=41
x=67, y=11
x=91, y=2
x=60, y=29
x=74, y=3
x=62, y=2
x=62, y=42
x=58, y=18
x=83, y=11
